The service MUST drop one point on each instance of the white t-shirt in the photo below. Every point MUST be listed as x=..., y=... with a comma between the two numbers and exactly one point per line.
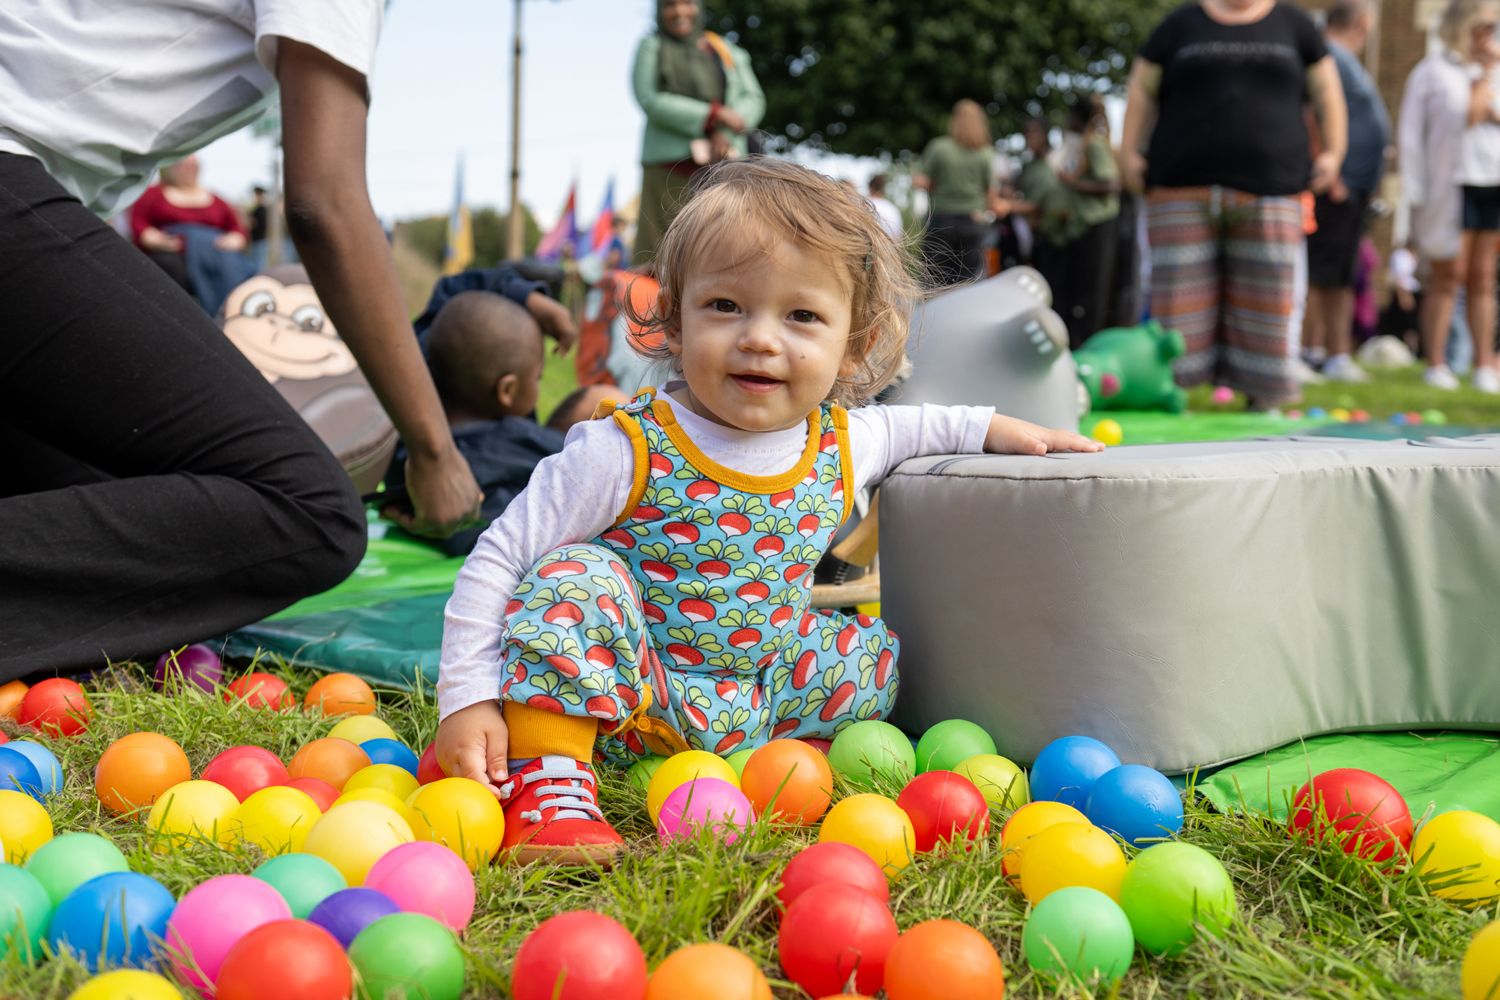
x=889, y=216
x=1479, y=149
x=103, y=92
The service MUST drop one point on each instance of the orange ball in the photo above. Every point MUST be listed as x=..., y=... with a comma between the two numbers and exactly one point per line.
x=341, y=694
x=789, y=781
x=11, y=694
x=261, y=690
x=708, y=970
x=330, y=759
x=135, y=769
x=943, y=960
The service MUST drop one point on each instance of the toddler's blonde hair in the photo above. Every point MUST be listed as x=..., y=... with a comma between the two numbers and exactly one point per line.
x=762, y=202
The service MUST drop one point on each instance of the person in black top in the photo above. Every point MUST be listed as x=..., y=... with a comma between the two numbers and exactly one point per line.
x=1225, y=82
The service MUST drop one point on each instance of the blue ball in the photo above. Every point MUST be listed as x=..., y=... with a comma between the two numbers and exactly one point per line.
x=1317, y=413
x=1067, y=768
x=113, y=919
x=1398, y=418
x=19, y=774
x=349, y=911
x=1136, y=803
x=385, y=751
x=45, y=761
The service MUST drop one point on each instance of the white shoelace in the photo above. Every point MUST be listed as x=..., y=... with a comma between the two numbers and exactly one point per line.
x=573, y=800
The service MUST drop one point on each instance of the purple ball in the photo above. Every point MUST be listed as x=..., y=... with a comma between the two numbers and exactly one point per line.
x=349, y=911
x=704, y=803
x=196, y=664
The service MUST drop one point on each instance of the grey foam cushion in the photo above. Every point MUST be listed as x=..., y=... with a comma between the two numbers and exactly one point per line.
x=1193, y=604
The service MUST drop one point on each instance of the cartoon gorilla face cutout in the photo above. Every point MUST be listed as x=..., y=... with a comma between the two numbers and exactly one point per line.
x=278, y=323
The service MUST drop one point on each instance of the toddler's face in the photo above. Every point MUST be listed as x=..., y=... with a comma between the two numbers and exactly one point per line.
x=762, y=342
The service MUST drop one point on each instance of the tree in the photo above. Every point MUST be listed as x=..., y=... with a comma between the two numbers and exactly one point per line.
x=429, y=236
x=879, y=77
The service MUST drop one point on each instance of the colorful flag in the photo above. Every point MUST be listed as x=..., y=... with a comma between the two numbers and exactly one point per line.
x=565, y=232
x=604, y=222
x=460, y=251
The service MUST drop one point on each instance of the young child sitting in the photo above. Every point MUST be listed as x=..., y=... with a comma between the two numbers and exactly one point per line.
x=649, y=590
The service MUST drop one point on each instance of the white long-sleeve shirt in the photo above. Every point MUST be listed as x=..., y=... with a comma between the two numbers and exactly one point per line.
x=577, y=494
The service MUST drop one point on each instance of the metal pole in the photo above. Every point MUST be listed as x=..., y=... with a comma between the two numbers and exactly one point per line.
x=514, y=244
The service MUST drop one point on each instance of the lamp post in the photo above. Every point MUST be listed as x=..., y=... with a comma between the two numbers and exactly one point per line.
x=515, y=235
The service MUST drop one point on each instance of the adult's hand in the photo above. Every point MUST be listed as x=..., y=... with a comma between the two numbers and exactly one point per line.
x=155, y=239
x=1325, y=173
x=554, y=319
x=233, y=242
x=444, y=496
x=1132, y=171
x=720, y=148
x=731, y=119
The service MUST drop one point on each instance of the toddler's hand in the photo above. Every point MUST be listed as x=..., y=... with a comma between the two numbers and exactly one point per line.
x=473, y=743
x=1010, y=436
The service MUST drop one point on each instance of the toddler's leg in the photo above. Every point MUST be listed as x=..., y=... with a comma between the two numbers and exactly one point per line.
x=840, y=669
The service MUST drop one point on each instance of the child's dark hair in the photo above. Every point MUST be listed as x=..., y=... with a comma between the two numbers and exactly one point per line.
x=477, y=338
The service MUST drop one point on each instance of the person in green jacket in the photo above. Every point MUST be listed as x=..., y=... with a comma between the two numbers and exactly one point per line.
x=958, y=173
x=700, y=97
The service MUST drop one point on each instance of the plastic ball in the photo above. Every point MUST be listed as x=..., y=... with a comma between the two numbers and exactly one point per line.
x=340, y=694
x=1434, y=417
x=193, y=810
x=1067, y=854
x=428, y=768
x=320, y=791
x=1413, y=417
x=944, y=807
x=1067, y=768
x=275, y=819
x=642, y=771
x=24, y=826
x=1359, y=416
x=832, y=863
x=25, y=908
x=113, y=919
x=329, y=759
x=1316, y=413
x=245, y=770
x=127, y=984
x=11, y=693
x=64, y=863
x=1365, y=812
x=1294, y=414
x=1108, y=432
x=260, y=690
x=136, y=769
x=212, y=918
x=707, y=970
x=424, y=877
x=788, y=781
x=943, y=960
x=1479, y=976
x=1223, y=394
x=833, y=932
x=354, y=835
x=1457, y=852
x=359, y=728
x=1136, y=803
x=1339, y=414
x=711, y=804
x=48, y=767
x=999, y=779
x=56, y=706
x=739, y=759
x=382, y=797
x=462, y=815
x=946, y=745
x=875, y=825
x=348, y=911
x=1168, y=889
x=680, y=768
x=304, y=880
x=285, y=958
x=19, y=774
x=1026, y=822
x=579, y=955
x=387, y=777
x=197, y=665
x=1081, y=933
x=818, y=744
x=1398, y=418
x=872, y=750
x=412, y=953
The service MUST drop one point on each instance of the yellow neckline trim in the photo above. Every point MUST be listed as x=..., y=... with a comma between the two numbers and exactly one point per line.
x=725, y=476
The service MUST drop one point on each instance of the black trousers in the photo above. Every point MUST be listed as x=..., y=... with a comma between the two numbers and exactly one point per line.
x=954, y=248
x=1084, y=301
x=154, y=488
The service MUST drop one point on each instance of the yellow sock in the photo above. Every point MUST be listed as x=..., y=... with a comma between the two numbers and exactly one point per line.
x=535, y=732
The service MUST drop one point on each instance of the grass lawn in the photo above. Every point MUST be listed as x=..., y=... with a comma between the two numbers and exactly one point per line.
x=1390, y=391
x=1312, y=922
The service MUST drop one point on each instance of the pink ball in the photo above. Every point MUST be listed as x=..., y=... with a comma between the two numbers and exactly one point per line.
x=211, y=919
x=1223, y=394
x=704, y=802
x=424, y=877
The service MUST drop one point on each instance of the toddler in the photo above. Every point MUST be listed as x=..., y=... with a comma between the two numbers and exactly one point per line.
x=649, y=590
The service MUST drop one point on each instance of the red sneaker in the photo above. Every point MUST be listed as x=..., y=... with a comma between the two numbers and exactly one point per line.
x=552, y=814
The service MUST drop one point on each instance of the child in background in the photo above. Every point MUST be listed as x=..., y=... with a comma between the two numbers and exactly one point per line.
x=649, y=591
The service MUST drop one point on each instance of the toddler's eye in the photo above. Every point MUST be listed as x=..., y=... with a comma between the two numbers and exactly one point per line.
x=804, y=316
x=723, y=306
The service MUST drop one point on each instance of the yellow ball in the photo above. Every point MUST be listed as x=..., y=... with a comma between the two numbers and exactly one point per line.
x=680, y=769
x=189, y=811
x=999, y=779
x=275, y=819
x=358, y=728
x=1108, y=432
x=384, y=798
x=462, y=814
x=387, y=777
x=1068, y=854
x=1339, y=414
x=126, y=984
x=24, y=825
x=352, y=836
x=1464, y=863
x=875, y=825
x=1026, y=822
x=1481, y=969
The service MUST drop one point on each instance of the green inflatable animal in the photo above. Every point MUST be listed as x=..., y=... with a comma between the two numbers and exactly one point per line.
x=1130, y=368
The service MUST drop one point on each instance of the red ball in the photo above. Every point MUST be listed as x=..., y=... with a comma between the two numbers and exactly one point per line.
x=260, y=690
x=579, y=956
x=942, y=805
x=285, y=958
x=428, y=769
x=246, y=769
x=822, y=745
x=321, y=792
x=833, y=931
x=57, y=706
x=1363, y=809
x=836, y=863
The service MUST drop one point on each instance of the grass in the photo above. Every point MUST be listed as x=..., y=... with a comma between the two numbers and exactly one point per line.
x=1391, y=391
x=1313, y=922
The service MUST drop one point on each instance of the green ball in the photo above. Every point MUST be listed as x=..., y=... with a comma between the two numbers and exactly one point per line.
x=640, y=773
x=409, y=956
x=25, y=911
x=1079, y=932
x=1170, y=887
x=1434, y=417
x=870, y=748
x=304, y=880
x=943, y=746
x=739, y=759
x=64, y=863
